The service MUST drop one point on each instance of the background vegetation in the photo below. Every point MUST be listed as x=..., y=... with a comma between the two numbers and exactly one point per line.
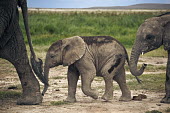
x=49, y=27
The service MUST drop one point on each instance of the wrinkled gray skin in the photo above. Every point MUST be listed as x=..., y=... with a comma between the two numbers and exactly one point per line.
x=13, y=49
x=153, y=33
x=89, y=57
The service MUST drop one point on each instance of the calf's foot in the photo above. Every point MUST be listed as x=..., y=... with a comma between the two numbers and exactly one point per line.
x=107, y=97
x=126, y=97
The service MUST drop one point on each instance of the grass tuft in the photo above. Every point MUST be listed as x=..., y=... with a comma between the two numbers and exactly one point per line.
x=153, y=111
x=150, y=82
x=57, y=103
x=9, y=94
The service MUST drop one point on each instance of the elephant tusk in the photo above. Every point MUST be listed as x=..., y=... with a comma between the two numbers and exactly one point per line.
x=142, y=53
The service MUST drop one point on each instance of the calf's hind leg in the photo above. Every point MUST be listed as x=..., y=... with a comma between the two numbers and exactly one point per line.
x=109, y=71
x=120, y=78
x=108, y=95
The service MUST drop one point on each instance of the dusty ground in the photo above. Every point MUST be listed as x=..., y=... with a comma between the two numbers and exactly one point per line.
x=58, y=92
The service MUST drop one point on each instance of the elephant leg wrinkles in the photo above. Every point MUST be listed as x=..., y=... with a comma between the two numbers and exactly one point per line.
x=15, y=52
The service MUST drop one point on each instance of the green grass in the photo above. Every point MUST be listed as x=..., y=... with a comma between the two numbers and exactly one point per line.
x=153, y=111
x=57, y=103
x=46, y=27
x=150, y=82
x=9, y=94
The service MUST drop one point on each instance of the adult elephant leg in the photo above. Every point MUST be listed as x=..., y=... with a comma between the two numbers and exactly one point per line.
x=31, y=91
x=166, y=99
x=120, y=78
x=15, y=52
x=72, y=76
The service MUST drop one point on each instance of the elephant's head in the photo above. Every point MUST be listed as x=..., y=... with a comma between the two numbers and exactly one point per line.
x=63, y=52
x=150, y=36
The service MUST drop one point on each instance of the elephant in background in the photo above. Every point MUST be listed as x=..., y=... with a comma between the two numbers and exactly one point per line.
x=13, y=49
x=153, y=33
x=89, y=57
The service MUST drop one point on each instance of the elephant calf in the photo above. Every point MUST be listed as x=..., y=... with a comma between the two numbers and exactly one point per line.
x=89, y=57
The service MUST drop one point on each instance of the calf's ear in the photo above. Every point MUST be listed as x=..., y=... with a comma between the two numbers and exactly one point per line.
x=73, y=49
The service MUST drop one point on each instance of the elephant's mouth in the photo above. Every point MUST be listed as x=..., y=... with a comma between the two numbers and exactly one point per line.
x=144, y=50
x=147, y=49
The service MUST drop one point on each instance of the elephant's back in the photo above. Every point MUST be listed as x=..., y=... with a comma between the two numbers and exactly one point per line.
x=97, y=40
x=103, y=45
x=100, y=40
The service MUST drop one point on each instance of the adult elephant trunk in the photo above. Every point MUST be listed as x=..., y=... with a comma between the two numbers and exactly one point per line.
x=136, y=51
x=35, y=62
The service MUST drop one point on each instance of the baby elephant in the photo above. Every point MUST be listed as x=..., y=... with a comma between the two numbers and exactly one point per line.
x=89, y=57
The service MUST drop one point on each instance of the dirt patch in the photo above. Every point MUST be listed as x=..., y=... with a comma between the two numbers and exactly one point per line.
x=85, y=104
x=58, y=92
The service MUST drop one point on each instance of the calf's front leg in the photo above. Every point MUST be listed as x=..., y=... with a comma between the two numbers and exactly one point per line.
x=72, y=76
x=87, y=79
x=88, y=72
